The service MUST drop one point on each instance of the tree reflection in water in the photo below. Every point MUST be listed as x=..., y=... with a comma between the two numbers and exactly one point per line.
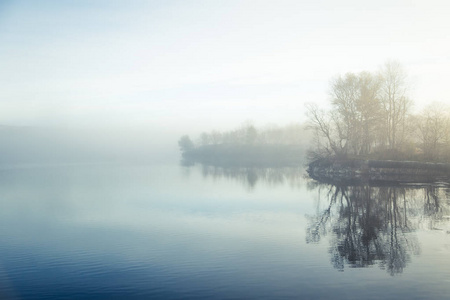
x=366, y=224
x=249, y=176
x=375, y=225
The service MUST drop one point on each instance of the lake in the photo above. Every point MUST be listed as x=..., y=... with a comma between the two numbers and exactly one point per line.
x=124, y=231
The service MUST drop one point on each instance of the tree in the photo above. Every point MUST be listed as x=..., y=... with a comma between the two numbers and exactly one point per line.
x=216, y=137
x=395, y=103
x=344, y=93
x=185, y=143
x=369, y=107
x=250, y=134
x=433, y=130
x=355, y=99
x=369, y=112
x=329, y=137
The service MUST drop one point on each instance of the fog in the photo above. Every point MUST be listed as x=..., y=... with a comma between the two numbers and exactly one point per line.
x=120, y=80
x=34, y=146
x=157, y=149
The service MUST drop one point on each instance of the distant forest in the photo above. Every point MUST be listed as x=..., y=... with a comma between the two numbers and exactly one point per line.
x=370, y=116
x=248, y=145
x=247, y=133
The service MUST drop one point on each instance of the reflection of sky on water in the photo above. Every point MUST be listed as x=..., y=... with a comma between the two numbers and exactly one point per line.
x=108, y=230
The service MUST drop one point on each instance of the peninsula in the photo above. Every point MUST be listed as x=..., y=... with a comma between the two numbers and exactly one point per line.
x=370, y=132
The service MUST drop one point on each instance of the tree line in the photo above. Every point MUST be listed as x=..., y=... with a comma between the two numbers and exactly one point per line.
x=248, y=134
x=370, y=115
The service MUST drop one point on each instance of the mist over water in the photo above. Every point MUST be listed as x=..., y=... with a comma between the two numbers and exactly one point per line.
x=53, y=145
x=157, y=150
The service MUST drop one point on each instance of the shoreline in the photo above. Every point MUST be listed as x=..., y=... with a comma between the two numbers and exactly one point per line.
x=378, y=171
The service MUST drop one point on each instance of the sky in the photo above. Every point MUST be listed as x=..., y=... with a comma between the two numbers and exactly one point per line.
x=203, y=65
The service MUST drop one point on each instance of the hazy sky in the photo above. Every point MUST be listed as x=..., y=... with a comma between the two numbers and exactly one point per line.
x=206, y=64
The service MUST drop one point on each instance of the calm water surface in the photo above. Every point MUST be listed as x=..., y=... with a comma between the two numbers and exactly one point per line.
x=176, y=232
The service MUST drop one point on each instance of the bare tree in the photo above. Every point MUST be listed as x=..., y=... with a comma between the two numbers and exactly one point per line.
x=369, y=108
x=433, y=130
x=329, y=136
x=216, y=137
x=395, y=103
x=356, y=100
x=344, y=93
